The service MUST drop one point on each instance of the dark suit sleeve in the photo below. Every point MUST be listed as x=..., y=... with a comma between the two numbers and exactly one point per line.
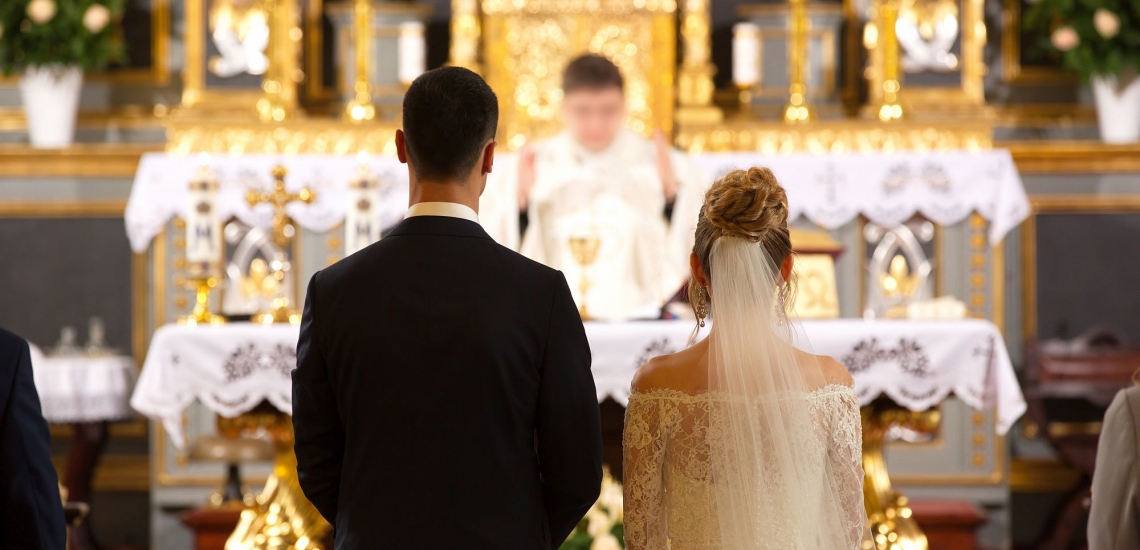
x=317, y=428
x=31, y=510
x=568, y=429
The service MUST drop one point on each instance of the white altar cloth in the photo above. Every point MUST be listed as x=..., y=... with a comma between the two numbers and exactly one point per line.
x=890, y=188
x=161, y=185
x=83, y=389
x=831, y=190
x=232, y=368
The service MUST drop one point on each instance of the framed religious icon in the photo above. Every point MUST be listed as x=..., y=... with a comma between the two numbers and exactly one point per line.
x=146, y=37
x=233, y=48
x=940, y=52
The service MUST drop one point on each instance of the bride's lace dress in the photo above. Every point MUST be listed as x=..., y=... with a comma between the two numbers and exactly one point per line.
x=669, y=501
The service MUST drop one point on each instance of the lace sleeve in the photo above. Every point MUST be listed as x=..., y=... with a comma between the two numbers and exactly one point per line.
x=846, y=455
x=644, y=455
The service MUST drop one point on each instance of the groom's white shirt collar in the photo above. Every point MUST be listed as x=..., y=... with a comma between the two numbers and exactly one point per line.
x=446, y=209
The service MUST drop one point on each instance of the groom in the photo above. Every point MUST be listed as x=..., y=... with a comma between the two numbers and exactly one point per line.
x=443, y=396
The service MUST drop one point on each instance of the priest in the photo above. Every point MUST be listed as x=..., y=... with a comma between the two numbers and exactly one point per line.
x=611, y=209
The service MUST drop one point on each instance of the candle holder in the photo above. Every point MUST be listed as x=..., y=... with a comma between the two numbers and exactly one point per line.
x=360, y=107
x=585, y=251
x=797, y=109
x=203, y=282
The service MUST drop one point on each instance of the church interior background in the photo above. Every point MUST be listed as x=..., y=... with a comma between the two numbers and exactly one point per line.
x=969, y=207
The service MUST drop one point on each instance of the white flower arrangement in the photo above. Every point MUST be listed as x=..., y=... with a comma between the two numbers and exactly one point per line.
x=603, y=527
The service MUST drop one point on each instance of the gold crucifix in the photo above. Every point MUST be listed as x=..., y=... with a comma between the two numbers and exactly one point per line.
x=279, y=197
x=281, y=310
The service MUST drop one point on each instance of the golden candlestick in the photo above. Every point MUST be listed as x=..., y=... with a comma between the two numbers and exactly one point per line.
x=585, y=251
x=279, y=86
x=891, y=521
x=202, y=283
x=890, y=108
x=797, y=109
x=281, y=310
x=360, y=107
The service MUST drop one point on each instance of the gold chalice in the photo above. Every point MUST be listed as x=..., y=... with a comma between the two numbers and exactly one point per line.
x=585, y=251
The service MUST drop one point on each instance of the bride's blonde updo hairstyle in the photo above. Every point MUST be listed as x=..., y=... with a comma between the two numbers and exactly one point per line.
x=748, y=204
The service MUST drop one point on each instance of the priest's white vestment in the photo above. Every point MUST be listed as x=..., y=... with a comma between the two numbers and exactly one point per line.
x=615, y=196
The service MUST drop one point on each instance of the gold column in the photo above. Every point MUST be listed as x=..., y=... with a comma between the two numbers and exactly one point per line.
x=360, y=108
x=891, y=521
x=797, y=109
x=889, y=106
x=279, y=87
x=465, y=32
x=695, y=79
x=282, y=518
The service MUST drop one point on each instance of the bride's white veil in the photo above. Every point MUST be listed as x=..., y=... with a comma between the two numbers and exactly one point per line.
x=773, y=480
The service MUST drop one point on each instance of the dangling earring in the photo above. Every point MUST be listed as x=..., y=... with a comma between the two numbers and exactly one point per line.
x=781, y=303
x=702, y=306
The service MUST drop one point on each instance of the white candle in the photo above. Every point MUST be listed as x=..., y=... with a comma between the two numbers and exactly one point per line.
x=746, y=54
x=362, y=215
x=411, y=52
x=203, y=226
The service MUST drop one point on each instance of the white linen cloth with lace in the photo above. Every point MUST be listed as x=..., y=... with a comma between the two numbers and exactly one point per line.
x=669, y=498
x=889, y=188
x=915, y=363
x=160, y=190
x=82, y=388
x=229, y=368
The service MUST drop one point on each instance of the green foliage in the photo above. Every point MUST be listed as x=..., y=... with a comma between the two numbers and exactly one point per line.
x=1094, y=55
x=61, y=40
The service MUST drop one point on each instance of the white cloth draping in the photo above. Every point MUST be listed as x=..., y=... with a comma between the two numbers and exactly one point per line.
x=231, y=368
x=830, y=190
x=890, y=188
x=83, y=389
x=159, y=192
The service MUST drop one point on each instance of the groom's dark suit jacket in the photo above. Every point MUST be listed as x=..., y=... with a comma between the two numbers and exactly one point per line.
x=443, y=395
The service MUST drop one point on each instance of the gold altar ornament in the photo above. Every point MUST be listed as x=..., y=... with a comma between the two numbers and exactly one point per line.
x=585, y=251
x=360, y=107
x=891, y=521
x=282, y=518
x=201, y=314
x=797, y=109
x=281, y=309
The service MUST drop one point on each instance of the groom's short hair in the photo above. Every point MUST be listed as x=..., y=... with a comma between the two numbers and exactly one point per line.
x=449, y=114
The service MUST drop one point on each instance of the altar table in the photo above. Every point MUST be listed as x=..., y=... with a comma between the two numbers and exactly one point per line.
x=231, y=368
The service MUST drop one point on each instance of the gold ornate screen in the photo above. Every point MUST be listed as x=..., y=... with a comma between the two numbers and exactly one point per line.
x=527, y=44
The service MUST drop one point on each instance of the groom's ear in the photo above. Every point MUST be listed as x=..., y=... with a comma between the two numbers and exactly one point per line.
x=401, y=147
x=488, y=157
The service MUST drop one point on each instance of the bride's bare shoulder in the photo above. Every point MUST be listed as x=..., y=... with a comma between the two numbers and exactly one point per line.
x=834, y=372
x=673, y=371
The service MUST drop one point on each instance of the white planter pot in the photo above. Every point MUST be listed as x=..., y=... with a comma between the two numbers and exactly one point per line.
x=51, y=101
x=1117, y=111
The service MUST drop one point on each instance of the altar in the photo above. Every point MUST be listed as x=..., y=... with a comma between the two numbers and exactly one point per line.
x=897, y=211
x=918, y=364
x=234, y=368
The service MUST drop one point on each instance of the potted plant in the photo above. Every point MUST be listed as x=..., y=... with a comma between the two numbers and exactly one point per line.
x=50, y=43
x=1100, y=39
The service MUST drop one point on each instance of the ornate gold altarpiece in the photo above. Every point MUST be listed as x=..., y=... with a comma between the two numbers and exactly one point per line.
x=521, y=47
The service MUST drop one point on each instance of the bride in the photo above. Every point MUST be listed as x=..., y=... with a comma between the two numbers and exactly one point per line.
x=744, y=440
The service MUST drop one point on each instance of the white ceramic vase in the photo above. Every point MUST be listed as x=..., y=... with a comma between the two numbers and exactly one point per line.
x=51, y=101
x=1117, y=110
